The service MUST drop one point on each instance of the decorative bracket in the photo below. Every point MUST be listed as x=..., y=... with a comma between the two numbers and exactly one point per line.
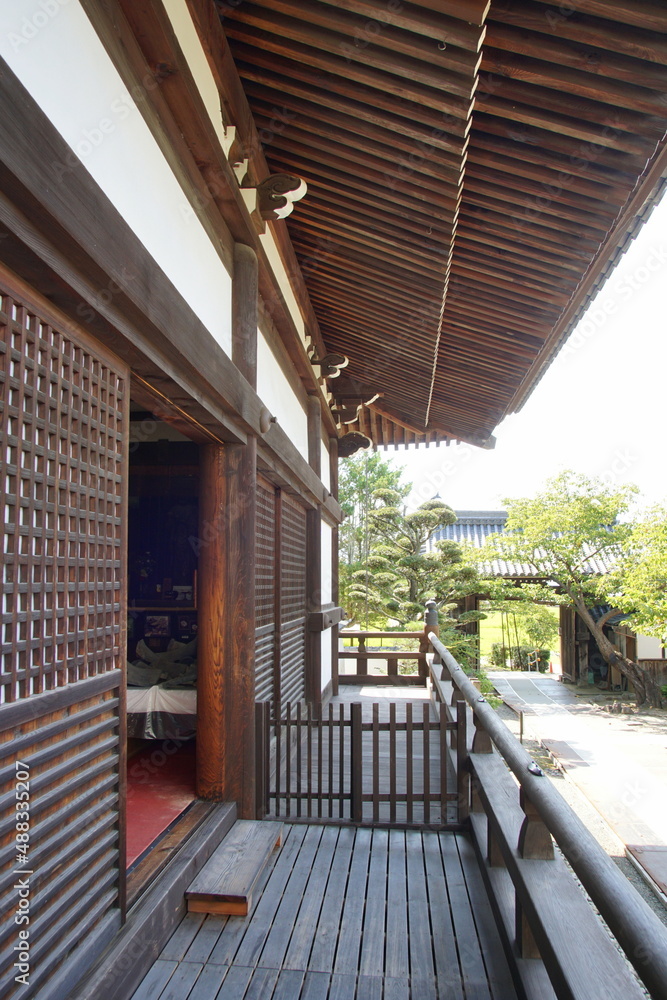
x=330, y=365
x=277, y=193
x=351, y=443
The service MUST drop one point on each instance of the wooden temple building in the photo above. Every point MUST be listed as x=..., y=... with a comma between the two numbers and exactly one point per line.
x=240, y=238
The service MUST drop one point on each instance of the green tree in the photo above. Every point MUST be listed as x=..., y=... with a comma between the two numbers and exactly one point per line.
x=360, y=477
x=399, y=576
x=643, y=588
x=578, y=537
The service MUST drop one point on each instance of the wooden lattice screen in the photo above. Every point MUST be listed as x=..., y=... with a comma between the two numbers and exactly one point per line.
x=62, y=412
x=265, y=591
x=63, y=424
x=292, y=601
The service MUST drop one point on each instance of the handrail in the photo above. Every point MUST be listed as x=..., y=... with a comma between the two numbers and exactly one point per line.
x=640, y=933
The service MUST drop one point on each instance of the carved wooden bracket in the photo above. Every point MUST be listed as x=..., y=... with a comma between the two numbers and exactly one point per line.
x=330, y=365
x=351, y=443
x=277, y=194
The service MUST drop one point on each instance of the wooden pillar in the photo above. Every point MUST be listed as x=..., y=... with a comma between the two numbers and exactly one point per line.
x=226, y=585
x=314, y=559
x=335, y=594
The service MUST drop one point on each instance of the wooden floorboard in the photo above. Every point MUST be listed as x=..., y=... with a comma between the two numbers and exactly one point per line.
x=346, y=914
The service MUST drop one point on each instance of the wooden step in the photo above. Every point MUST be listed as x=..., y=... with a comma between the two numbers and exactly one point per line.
x=226, y=882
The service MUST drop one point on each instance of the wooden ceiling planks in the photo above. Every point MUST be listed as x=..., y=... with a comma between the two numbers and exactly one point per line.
x=482, y=149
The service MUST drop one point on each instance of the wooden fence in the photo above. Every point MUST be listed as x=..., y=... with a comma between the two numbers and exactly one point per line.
x=339, y=767
x=367, y=648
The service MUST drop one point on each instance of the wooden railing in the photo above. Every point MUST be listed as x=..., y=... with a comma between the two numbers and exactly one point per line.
x=540, y=908
x=337, y=766
x=368, y=649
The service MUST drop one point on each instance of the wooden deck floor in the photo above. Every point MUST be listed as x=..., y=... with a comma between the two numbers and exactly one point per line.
x=347, y=914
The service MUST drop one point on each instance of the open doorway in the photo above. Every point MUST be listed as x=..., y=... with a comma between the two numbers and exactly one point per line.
x=163, y=510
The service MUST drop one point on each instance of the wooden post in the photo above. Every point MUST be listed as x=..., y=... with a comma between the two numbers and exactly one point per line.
x=335, y=596
x=462, y=773
x=314, y=559
x=226, y=584
x=481, y=741
x=430, y=625
x=262, y=738
x=356, y=764
x=534, y=838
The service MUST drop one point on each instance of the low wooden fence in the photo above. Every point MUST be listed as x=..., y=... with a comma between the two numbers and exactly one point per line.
x=339, y=767
x=369, y=648
x=515, y=815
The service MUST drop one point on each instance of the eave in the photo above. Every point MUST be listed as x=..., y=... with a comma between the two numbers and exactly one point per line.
x=451, y=279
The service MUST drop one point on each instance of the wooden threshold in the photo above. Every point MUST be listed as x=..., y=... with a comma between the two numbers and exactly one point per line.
x=143, y=876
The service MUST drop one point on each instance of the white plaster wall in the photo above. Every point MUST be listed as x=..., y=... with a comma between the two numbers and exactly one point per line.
x=275, y=391
x=188, y=39
x=648, y=648
x=279, y=270
x=325, y=462
x=327, y=658
x=327, y=563
x=54, y=50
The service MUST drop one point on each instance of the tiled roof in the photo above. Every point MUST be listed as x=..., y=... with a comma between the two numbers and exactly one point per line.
x=474, y=527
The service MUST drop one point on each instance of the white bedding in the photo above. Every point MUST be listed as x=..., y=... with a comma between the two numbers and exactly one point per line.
x=178, y=701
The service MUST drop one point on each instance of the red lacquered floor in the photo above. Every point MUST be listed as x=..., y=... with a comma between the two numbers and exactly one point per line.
x=160, y=786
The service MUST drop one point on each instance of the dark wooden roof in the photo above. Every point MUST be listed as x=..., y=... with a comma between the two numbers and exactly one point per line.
x=472, y=168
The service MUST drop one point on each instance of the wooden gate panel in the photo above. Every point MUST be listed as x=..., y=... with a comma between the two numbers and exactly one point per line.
x=63, y=468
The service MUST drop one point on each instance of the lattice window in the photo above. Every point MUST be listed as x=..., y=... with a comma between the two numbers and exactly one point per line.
x=61, y=461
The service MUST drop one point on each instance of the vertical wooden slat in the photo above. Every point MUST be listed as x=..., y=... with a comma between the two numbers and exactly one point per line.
x=278, y=729
x=393, y=761
x=376, y=762
x=309, y=755
x=288, y=758
x=341, y=760
x=356, y=763
x=330, y=746
x=409, y=784
x=443, y=762
x=427, y=761
x=462, y=774
x=320, y=762
x=299, y=763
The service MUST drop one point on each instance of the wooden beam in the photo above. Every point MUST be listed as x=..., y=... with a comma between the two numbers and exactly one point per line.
x=244, y=312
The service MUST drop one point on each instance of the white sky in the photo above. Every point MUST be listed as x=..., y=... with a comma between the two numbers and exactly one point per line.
x=601, y=408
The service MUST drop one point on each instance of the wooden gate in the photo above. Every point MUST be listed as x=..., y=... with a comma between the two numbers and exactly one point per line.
x=392, y=768
x=63, y=428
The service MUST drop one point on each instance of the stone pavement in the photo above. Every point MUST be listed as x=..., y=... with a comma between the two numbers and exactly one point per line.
x=619, y=762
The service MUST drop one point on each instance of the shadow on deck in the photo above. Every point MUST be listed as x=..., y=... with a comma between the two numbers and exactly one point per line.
x=347, y=913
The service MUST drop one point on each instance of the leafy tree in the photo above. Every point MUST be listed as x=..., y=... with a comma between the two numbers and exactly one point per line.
x=643, y=589
x=399, y=576
x=360, y=477
x=577, y=535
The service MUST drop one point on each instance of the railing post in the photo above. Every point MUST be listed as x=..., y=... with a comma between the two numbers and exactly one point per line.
x=481, y=741
x=534, y=838
x=362, y=662
x=356, y=771
x=431, y=624
x=534, y=843
x=462, y=772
